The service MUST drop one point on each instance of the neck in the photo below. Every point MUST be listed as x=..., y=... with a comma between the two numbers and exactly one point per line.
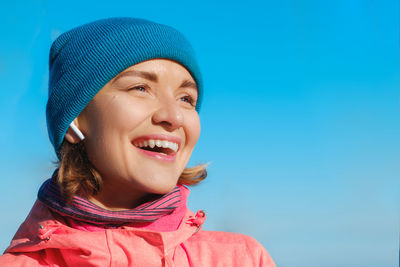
x=117, y=202
x=116, y=199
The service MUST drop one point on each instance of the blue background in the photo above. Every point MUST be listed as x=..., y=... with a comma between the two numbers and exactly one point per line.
x=300, y=118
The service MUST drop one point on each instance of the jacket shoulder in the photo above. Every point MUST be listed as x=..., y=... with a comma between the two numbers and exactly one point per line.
x=32, y=259
x=27, y=235
x=238, y=249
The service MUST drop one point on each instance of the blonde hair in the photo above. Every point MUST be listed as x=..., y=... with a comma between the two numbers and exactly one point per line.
x=77, y=175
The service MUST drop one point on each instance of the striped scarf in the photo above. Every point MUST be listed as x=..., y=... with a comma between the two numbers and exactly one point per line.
x=82, y=209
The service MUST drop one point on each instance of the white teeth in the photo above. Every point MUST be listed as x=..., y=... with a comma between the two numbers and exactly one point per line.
x=165, y=144
x=172, y=146
x=151, y=143
x=160, y=143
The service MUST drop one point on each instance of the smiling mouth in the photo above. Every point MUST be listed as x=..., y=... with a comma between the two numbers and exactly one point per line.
x=158, y=146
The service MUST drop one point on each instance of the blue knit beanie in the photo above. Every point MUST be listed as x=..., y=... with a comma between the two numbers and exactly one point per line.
x=85, y=58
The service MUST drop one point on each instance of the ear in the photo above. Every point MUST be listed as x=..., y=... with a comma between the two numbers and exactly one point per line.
x=71, y=136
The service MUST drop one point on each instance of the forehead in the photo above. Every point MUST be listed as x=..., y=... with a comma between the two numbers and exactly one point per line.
x=159, y=66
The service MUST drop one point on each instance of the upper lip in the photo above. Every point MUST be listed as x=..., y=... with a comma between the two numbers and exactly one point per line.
x=165, y=137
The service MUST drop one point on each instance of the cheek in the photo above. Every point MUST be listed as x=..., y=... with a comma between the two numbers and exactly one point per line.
x=193, y=128
x=118, y=117
x=108, y=127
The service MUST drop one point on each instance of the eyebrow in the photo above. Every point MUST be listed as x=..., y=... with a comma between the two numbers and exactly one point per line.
x=188, y=84
x=152, y=77
x=143, y=74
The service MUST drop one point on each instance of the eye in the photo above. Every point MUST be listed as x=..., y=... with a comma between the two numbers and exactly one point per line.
x=141, y=88
x=188, y=99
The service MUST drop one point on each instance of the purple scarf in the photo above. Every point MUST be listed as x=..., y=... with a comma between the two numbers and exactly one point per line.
x=82, y=209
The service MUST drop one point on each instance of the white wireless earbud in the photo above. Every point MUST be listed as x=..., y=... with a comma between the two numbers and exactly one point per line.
x=76, y=131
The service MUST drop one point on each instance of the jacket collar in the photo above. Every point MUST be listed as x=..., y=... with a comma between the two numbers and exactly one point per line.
x=45, y=229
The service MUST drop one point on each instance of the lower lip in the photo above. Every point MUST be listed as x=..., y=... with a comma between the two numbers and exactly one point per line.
x=159, y=156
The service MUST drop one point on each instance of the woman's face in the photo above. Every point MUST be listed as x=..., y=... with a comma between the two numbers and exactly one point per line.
x=140, y=131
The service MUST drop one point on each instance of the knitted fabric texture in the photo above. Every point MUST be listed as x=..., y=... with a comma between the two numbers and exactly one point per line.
x=82, y=209
x=85, y=58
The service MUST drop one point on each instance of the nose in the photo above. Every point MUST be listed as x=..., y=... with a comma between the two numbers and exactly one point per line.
x=169, y=115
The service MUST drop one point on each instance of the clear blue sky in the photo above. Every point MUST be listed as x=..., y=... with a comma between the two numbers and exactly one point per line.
x=300, y=119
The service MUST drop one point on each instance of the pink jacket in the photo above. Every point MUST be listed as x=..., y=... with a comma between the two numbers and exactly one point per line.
x=44, y=239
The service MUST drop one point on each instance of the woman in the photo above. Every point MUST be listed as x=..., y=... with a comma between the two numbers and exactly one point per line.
x=122, y=116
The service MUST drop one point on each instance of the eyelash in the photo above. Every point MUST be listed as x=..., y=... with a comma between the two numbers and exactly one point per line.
x=139, y=86
x=187, y=98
